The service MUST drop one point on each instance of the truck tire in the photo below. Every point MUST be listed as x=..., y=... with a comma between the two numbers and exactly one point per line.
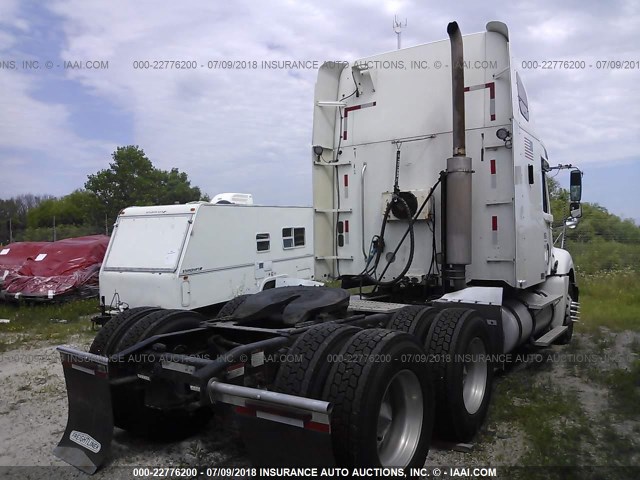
x=306, y=378
x=573, y=292
x=129, y=409
x=414, y=320
x=109, y=335
x=231, y=306
x=156, y=323
x=463, y=388
x=382, y=395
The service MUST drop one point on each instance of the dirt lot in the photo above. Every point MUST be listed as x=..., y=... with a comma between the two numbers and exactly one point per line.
x=574, y=405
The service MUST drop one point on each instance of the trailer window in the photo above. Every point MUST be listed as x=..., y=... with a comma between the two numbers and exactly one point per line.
x=293, y=237
x=147, y=243
x=522, y=98
x=263, y=242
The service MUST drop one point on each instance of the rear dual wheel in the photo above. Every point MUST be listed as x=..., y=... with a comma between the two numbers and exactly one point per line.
x=309, y=360
x=378, y=384
x=458, y=345
x=381, y=391
x=385, y=385
x=130, y=409
x=157, y=323
x=414, y=319
x=108, y=336
x=231, y=306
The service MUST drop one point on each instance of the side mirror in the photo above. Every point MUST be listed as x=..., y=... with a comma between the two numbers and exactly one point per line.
x=575, y=183
x=575, y=210
x=571, y=223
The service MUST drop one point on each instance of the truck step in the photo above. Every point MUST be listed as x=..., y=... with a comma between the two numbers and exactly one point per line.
x=549, y=337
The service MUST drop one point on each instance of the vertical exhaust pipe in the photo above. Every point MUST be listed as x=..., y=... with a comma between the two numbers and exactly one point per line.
x=457, y=89
x=458, y=190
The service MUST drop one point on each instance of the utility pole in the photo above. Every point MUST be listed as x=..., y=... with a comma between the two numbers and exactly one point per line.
x=397, y=27
x=10, y=231
x=54, y=228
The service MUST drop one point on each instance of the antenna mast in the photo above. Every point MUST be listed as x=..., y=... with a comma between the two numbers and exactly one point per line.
x=397, y=27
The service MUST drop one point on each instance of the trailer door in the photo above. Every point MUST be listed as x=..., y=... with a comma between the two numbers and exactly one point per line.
x=147, y=243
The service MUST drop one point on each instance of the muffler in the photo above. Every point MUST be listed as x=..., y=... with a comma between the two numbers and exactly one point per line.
x=458, y=189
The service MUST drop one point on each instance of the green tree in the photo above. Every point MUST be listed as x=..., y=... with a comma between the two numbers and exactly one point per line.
x=559, y=200
x=80, y=207
x=131, y=179
x=602, y=240
x=13, y=215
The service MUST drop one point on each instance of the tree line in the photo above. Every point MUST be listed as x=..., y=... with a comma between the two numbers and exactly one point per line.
x=602, y=240
x=131, y=179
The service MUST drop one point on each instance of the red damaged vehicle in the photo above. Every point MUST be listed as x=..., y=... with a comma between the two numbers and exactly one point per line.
x=13, y=256
x=66, y=268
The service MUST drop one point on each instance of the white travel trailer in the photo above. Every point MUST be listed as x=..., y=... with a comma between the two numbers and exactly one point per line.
x=201, y=254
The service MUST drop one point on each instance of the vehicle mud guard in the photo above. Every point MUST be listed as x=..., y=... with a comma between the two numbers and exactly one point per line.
x=87, y=439
x=302, y=425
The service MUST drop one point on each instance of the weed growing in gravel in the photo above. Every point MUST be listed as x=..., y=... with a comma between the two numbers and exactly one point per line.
x=553, y=420
x=624, y=390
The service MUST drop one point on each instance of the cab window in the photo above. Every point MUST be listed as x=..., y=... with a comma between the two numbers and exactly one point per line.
x=522, y=98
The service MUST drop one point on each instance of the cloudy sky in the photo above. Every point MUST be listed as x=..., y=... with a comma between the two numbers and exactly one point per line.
x=250, y=130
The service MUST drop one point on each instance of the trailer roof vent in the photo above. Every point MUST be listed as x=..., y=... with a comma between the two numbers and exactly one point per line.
x=233, y=198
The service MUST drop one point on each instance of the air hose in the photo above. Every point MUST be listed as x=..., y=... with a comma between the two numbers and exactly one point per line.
x=409, y=231
x=405, y=206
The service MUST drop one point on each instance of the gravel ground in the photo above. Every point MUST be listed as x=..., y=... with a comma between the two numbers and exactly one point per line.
x=33, y=411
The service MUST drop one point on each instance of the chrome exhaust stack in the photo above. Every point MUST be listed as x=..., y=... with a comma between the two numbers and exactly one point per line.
x=458, y=189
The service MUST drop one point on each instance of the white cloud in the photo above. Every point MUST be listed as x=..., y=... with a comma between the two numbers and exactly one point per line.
x=51, y=155
x=215, y=124
x=41, y=151
x=250, y=129
x=553, y=31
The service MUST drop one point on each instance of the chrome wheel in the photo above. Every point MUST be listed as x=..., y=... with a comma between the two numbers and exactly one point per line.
x=400, y=420
x=474, y=376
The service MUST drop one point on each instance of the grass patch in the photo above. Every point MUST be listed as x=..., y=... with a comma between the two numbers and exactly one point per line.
x=624, y=390
x=556, y=427
x=621, y=450
x=610, y=299
x=53, y=323
x=559, y=433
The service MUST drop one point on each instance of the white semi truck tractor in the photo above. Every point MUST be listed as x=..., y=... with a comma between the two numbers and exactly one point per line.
x=431, y=201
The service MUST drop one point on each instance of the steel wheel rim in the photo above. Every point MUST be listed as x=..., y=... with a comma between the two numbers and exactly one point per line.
x=474, y=376
x=400, y=420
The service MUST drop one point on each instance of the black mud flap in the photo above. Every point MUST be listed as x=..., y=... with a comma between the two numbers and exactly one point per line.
x=272, y=443
x=279, y=429
x=87, y=439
